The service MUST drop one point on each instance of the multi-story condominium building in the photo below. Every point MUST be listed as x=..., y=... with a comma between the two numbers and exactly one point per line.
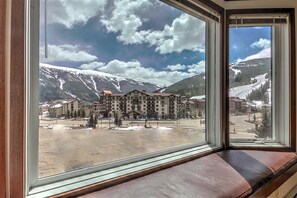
x=237, y=105
x=140, y=104
x=60, y=108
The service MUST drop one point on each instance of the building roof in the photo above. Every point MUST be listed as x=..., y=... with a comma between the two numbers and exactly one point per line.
x=56, y=106
x=107, y=92
x=59, y=103
x=160, y=94
x=137, y=91
x=117, y=94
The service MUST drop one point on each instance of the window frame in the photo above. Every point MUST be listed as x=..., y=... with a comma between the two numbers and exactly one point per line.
x=14, y=121
x=292, y=77
x=32, y=48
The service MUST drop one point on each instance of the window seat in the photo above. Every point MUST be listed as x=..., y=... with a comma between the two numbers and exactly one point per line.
x=231, y=173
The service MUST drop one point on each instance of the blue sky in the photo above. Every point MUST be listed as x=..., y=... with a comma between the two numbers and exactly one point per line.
x=249, y=42
x=145, y=40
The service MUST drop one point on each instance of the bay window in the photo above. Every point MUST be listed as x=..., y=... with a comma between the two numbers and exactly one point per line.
x=95, y=81
x=119, y=89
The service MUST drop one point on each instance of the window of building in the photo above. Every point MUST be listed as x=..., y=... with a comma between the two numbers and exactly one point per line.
x=68, y=62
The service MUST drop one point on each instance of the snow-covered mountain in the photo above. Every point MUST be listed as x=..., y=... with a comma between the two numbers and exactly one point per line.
x=61, y=82
x=244, y=77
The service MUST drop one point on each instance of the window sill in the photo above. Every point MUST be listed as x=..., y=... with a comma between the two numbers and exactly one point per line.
x=257, y=144
x=120, y=174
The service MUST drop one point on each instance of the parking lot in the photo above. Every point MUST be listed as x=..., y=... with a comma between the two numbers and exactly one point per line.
x=64, y=149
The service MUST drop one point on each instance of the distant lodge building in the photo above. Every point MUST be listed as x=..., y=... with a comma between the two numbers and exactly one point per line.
x=237, y=105
x=60, y=108
x=140, y=104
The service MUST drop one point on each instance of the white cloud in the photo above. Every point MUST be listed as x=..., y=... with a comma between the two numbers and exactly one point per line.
x=176, y=67
x=92, y=66
x=197, y=68
x=234, y=46
x=238, y=60
x=124, y=19
x=134, y=70
x=265, y=53
x=185, y=33
x=65, y=53
x=261, y=43
x=71, y=12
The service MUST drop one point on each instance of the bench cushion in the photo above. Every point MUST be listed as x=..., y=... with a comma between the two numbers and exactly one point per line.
x=231, y=173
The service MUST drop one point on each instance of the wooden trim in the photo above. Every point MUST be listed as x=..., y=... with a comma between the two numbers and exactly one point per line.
x=191, y=5
x=259, y=11
x=129, y=177
x=214, y=6
x=2, y=100
x=293, y=81
x=226, y=82
x=17, y=100
x=186, y=5
x=275, y=183
x=224, y=97
x=291, y=13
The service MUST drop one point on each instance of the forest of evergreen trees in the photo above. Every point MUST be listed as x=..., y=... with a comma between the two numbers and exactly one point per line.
x=260, y=94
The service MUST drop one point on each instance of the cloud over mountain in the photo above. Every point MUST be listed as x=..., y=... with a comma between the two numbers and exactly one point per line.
x=65, y=53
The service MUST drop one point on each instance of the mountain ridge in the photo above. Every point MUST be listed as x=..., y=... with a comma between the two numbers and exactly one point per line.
x=58, y=82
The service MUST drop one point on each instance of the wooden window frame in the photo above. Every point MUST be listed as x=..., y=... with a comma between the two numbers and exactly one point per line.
x=2, y=99
x=292, y=76
x=12, y=20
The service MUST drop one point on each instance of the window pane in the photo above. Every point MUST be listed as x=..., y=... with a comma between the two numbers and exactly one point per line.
x=250, y=82
x=119, y=81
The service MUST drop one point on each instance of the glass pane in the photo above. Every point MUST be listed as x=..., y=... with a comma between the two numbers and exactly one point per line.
x=119, y=81
x=250, y=84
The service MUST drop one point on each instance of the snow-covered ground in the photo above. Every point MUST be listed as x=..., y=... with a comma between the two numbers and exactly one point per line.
x=61, y=83
x=132, y=128
x=236, y=71
x=137, y=128
x=86, y=72
x=243, y=91
x=198, y=97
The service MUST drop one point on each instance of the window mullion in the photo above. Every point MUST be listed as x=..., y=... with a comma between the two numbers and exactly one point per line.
x=32, y=93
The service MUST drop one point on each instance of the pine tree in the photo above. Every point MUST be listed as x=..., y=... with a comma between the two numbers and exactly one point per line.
x=91, y=121
x=67, y=114
x=264, y=130
x=95, y=122
x=78, y=112
x=199, y=113
x=266, y=98
x=83, y=113
x=116, y=119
